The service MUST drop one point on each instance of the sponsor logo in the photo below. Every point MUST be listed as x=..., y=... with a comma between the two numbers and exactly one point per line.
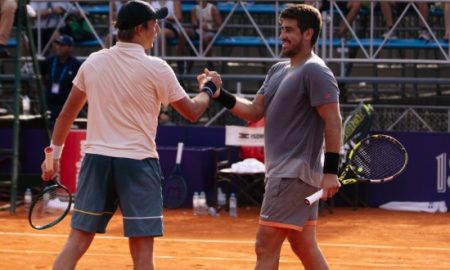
x=442, y=178
x=244, y=135
x=251, y=136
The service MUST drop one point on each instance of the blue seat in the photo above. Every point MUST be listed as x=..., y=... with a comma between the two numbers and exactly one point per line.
x=227, y=7
x=242, y=41
x=234, y=41
x=336, y=42
x=11, y=42
x=251, y=7
x=96, y=9
x=397, y=43
x=88, y=43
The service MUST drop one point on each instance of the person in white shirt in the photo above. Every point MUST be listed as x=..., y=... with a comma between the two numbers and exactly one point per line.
x=125, y=89
x=206, y=20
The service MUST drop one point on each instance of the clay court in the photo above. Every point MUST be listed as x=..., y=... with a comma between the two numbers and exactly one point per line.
x=367, y=238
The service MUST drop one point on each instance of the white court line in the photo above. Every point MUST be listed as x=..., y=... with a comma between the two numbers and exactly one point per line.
x=234, y=259
x=190, y=240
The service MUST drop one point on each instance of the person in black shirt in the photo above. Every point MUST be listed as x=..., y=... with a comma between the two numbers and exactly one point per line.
x=58, y=71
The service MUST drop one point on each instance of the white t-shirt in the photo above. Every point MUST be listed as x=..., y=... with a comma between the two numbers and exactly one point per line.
x=205, y=14
x=125, y=89
x=165, y=3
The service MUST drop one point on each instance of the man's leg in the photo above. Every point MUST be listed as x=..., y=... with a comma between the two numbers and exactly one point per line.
x=386, y=9
x=7, y=13
x=352, y=11
x=76, y=245
x=141, y=249
x=304, y=245
x=268, y=247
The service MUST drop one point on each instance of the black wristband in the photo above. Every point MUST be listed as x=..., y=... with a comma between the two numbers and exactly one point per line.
x=227, y=99
x=331, y=164
x=210, y=88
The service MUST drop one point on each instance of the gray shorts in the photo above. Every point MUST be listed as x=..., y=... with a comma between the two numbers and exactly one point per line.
x=107, y=182
x=283, y=205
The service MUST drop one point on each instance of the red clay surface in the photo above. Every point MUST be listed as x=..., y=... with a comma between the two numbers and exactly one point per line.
x=355, y=240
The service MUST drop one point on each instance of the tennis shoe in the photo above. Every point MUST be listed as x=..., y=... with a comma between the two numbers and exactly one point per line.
x=424, y=35
x=392, y=36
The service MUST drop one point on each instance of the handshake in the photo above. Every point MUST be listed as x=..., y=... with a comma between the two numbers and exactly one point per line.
x=210, y=82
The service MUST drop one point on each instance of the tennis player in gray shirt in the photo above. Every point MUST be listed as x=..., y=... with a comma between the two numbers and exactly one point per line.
x=300, y=103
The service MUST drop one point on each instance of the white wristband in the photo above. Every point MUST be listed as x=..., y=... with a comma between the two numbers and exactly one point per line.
x=57, y=150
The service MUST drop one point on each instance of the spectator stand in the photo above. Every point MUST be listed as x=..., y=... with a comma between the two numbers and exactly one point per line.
x=404, y=60
x=248, y=43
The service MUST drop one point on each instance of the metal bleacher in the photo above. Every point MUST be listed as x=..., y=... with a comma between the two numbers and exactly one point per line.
x=367, y=66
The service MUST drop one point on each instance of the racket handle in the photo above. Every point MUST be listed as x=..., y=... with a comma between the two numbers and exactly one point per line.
x=179, y=151
x=48, y=158
x=314, y=197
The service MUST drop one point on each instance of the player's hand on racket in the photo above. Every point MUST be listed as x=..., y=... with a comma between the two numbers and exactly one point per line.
x=376, y=159
x=54, y=201
x=49, y=166
x=330, y=185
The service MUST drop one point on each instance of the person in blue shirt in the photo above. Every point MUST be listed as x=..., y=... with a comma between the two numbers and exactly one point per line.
x=58, y=71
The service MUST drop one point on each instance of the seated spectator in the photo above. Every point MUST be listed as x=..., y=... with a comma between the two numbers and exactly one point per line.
x=388, y=9
x=7, y=12
x=170, y=29
x=349, y=9
x=48, y=20
x=111, y=38
x=58, y=71
x=446, y=21
x=208, y=17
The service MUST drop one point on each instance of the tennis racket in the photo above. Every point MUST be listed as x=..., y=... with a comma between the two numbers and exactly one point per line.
x=356, y=127
x=375, y=159
x=357, y=124
x=52, y=204
x=174, y=189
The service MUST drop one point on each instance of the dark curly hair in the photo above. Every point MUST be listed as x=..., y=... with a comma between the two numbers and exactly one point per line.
x=307, y=17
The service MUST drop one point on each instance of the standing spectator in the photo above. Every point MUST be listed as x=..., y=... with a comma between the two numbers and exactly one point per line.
x=58, y=72
x=299, y=101
x=48, y=20
x=7, y=12
x=124, y=88
x=208, y=17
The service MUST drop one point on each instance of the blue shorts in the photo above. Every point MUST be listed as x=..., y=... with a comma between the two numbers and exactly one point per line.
x=107, y=182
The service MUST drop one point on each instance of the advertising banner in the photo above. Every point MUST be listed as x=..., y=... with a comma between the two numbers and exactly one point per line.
x=427, y=175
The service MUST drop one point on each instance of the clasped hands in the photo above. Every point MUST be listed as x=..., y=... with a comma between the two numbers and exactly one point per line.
x=210, y=76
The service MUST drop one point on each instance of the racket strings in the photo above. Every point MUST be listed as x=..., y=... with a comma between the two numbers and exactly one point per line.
x=50, y=207
x=378, y=159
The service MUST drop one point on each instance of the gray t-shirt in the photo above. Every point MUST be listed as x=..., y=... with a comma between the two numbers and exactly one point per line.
x=294, y=131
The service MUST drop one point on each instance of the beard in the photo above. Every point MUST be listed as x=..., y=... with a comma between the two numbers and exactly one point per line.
x=293, y=50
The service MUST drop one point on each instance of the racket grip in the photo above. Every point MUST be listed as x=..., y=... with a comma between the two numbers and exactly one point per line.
x=314, y=197
x=48, y=158
x=179, y=151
